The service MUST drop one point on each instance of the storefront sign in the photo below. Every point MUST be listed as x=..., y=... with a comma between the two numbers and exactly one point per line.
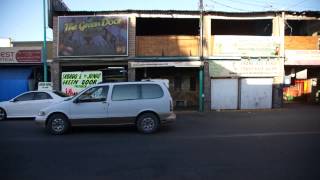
x=229, y=45
x=20, y=55
x=74, y=82
x=92, y=36
x=247, y=68
x=165, y=64
x=45, y=86
x=302, y=57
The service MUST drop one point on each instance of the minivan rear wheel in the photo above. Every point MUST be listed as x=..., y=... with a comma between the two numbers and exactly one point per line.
x=147, y=123
x=57, y=124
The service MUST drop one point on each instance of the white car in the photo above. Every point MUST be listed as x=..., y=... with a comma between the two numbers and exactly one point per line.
x=28, y=104
x=144, y=104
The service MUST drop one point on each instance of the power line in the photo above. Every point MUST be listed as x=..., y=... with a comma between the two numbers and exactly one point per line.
x=291, y=6
x=221, y=4
x=246, y=3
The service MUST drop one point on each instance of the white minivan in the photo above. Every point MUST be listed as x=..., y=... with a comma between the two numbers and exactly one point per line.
x=145, y=104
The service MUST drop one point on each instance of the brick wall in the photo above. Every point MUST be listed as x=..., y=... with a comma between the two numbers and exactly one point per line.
x=301, y=42
x=167, y=45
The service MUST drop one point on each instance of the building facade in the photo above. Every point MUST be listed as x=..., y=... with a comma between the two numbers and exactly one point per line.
x=242, y=55
x=21, y=67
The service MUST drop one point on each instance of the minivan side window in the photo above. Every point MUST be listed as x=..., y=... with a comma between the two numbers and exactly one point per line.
x=125, y=92
x=151, y=91
x=95, y=94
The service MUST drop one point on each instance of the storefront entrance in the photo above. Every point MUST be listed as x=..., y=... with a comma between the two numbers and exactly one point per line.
x=183, y=83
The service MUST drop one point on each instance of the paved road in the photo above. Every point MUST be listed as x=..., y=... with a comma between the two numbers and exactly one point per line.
x=272, y=144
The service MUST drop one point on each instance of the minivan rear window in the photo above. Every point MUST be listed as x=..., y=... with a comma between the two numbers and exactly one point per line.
x=151, y=91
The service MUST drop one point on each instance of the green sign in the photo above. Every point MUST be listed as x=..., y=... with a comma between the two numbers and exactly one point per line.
x=73, y=82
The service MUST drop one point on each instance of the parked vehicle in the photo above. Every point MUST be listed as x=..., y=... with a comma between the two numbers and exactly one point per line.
x=28, y=104
x=146, y=105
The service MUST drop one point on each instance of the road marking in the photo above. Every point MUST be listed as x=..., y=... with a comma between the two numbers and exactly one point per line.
x=258, y=134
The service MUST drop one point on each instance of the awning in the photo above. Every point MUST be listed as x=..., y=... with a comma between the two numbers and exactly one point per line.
x=143, y=64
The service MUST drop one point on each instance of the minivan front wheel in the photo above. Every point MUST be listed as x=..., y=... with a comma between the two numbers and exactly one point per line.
x=57, y=124
x=148, y=123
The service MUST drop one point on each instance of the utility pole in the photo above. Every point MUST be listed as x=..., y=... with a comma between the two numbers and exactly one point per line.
x=201, y=57
x=44, y=45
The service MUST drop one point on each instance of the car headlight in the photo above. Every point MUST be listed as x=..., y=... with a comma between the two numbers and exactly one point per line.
x=42, y=113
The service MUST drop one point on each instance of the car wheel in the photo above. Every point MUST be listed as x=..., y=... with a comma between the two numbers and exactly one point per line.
x=147, y=123
x=3, y=114
x=57, y=124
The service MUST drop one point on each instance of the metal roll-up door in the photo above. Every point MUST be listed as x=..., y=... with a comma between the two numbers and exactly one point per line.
x=13, y=81
x=224, y=93
x=256, y=93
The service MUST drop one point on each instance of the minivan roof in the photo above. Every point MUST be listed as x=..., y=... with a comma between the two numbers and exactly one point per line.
x=131, y=82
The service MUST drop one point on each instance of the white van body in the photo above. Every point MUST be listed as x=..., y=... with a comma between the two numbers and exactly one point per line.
x=112, y=104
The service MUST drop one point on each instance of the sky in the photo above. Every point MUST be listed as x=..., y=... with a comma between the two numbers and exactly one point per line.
x=22, y=20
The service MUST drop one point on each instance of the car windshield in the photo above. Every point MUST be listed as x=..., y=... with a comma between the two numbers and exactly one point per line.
x=61, y=94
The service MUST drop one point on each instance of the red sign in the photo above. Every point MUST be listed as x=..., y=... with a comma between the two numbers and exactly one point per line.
x=28, y=56
x=20, y=55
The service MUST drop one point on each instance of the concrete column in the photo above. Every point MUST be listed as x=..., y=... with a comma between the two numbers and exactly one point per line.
x=132, y=36
x=131, y=73
x=277, y=95
x=207, y=88
x=278, y=25
x=207, y=52
x=56, y=75
x=278, y=30
x=206, y=36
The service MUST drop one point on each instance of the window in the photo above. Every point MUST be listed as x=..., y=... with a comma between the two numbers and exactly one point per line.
x=41, y=96
x=125, y=92
x=151, y=91
x=95, y=94
x=25, y=97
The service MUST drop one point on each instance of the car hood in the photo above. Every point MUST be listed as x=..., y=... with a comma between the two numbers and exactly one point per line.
x=3, y=103
x=57, y=106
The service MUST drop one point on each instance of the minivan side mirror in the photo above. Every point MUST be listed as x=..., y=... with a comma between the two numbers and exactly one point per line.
x=13, y=100
x=76, y=101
